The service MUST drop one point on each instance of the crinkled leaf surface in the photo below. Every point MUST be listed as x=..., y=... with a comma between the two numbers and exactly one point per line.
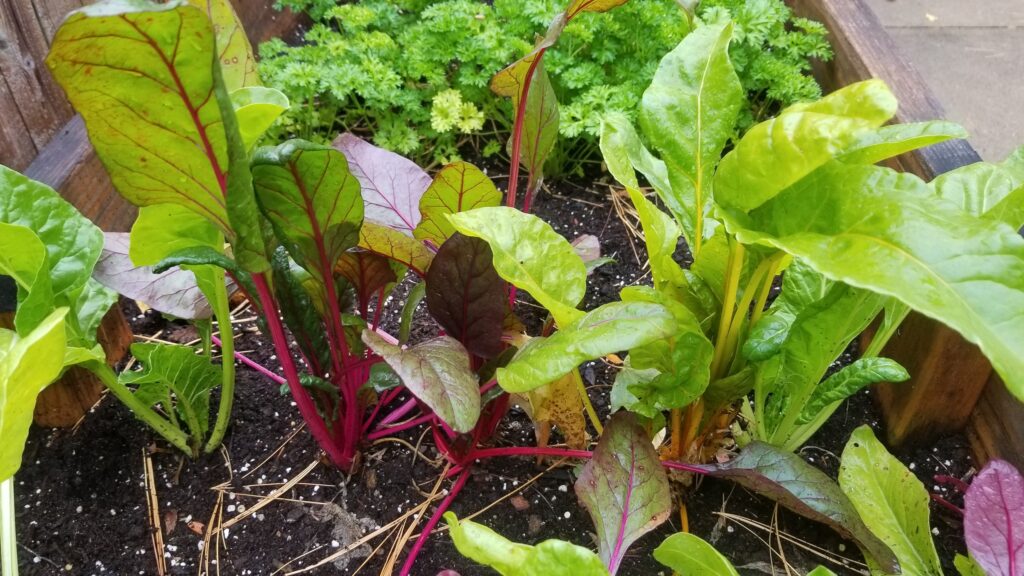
x=624, y=488
x=531, y=255
x=466, y=296
x=686, y=553
x=458, y=187
x=438, y=373
x=613, y=327
x=549, y=558
x=850, y=380
x=989, y=191
x=802, y=488
x=181, y=370
x=392, y=185
x=300, y=312
x=893, y=140
x=891, y=501
x=395, y=245
x=27, y=365
x=994, y=519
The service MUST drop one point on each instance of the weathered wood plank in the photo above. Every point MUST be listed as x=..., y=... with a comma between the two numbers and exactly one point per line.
x=996, y=428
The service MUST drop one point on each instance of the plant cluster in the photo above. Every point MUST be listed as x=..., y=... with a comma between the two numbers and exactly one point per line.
x=316, y=237
x=414, y=74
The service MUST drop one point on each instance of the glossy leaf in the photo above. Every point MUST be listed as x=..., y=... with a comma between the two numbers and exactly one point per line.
x=174, y=292
x=23, y=259
x=611, y=328
x=367, y=272
x=438, y=373
x=624, y=488
x=687, y=554
x=624, y=154
x=27, y=365
x=234, y=54
x=312, y=201
x=141, y=76
x=893, y=140
x=873, y=228
x=549, y=558
x=412, y=301
x=179, y=369
x=661, y=235
x=394, y=245
x=458, y=187
x=531, y=255
x=850, y=380
x=891, y=501
x=801, y=287
x=392, y=186
x=985, y=190
x=994, y=519
x=466, y=296
x=257, y=108
x=688, y=114
x=540, y=119
x=152, y=239
x=802, y=488
x=776, y=154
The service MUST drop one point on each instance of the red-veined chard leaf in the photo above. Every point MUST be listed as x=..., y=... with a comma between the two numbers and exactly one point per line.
x=367, y=273
x=687, y=554
x=688, y=115
x=532, y=256
x=396, y=246
x=624, y=488
x=785, y=478
x=466, y=296
x=234, y=53
x=891, y=501
x=994, y=519
x=392, y=185
x=550, y=558
x=438, y=373
x=540, y=114
x=312, y=201
x=458, y=187
x=613, y=327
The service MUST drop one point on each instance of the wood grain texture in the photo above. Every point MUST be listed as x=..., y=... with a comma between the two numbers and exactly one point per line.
x=996, y=428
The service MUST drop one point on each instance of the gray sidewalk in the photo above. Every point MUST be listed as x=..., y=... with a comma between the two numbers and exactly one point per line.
x=971, y=53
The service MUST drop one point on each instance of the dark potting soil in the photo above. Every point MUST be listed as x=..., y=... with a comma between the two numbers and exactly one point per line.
x=82, y=497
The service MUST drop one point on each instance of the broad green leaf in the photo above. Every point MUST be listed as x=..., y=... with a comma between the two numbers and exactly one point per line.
x=540, y=118
x=801, y=287
x=802, y=488
x=153, y=239
x=531, y=255
x=23, y=258
x=549, y=558
x=458, y=187
x=142, y=76
x=392, y=186
x=967, y=566
x=776, y=154
x=466, y=296
x=661, y=234
x=312, y=201
x=624, y=488
x=688, y=114
x=890, y=141
x=623, y=153
x=850, y=380
x=234, y=54
x=90, y=304
x=257, y=108
x=27, y=365
x=438, y=373
x=614, y=327
x=890, y=500
x=179, y=369
x=687, y=554
x=622, y=397
x=988, y=191
x=395, y=245
x=870, y=227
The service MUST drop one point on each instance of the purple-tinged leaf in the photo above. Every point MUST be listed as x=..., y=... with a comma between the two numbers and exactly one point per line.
x=588, y=247
x=785, y=478
x=456, y=188
x=624, y=488
x=392, y=185
x=994, y=519
x=395, y=245
x=367, y=272
x=466, y=296
x=437, y=372
x=173, y=292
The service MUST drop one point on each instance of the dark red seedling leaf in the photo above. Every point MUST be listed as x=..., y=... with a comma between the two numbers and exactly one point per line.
x=624, y=488
x=367, y=272
x=392, y=185
x=466, y=296
x=787, y=479
x=994, y=519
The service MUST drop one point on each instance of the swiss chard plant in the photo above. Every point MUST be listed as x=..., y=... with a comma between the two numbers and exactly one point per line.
x=799, y=195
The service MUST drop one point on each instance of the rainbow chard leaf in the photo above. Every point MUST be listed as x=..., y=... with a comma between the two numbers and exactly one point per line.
x=579, y=6
x=458, y=187
x=466, y=296
x=234, y=53
x=787, y=479
x=994, y=519
x=367, y=273
x=392, y=185
x=437, y=372
x=685, y=553
x=624, y=488
x=257, y=108
x=394, y=245
x=540, y=111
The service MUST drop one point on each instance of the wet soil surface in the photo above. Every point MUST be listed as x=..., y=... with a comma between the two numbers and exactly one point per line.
x=82, y=496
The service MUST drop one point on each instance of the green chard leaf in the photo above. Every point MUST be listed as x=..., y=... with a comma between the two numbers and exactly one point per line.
x=532, y=256
x=967, y=566
x=234, y=53
x=458, y=187
x=396, y=246
x=685, y=553
x=257, y=108
x=438, y=373
x=850, y=380
x=989, y=191
x=549, y=558
x=540, y=120
x=893, y=140
x=625, y=154
x=624, y=488
x=891, y=501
